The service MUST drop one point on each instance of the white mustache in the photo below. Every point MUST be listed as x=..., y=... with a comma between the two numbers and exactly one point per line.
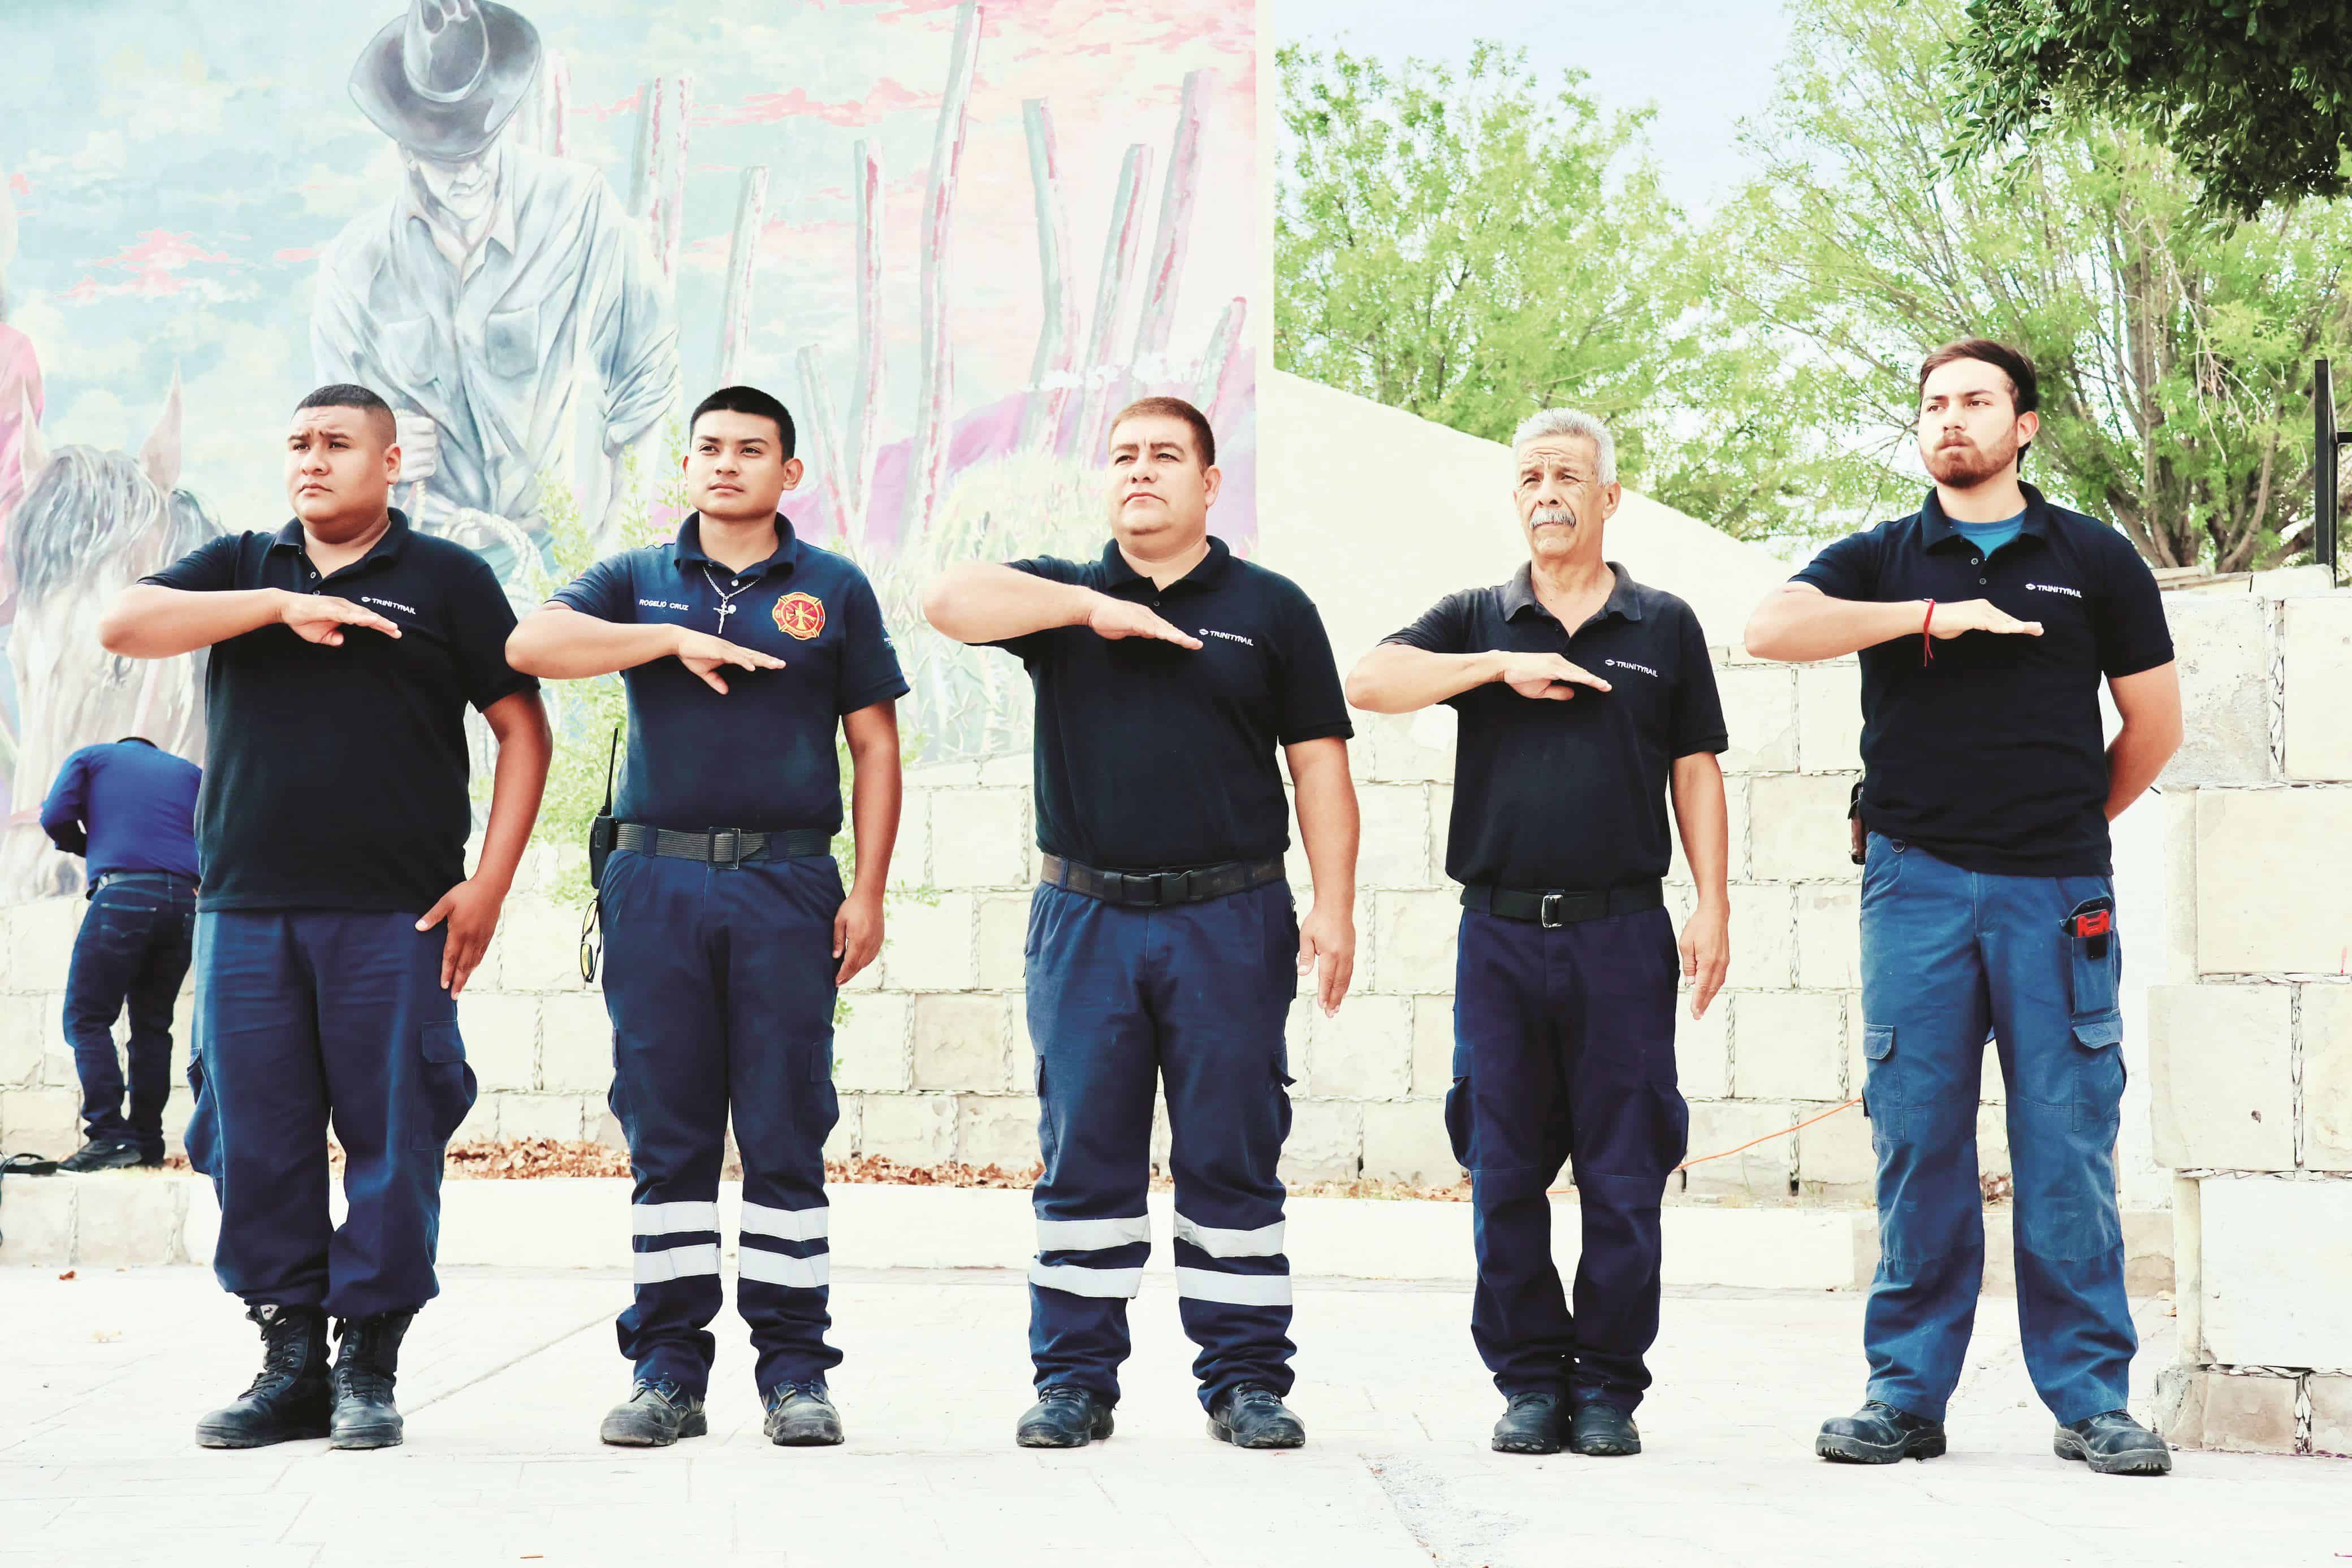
x=1553, y=515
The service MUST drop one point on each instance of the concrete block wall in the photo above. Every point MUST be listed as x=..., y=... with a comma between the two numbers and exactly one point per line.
x=2250, y=1037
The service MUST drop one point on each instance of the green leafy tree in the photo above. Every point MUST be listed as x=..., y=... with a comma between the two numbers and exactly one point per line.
x=2254, y=97
x=1469, y=247
x=2175, y=353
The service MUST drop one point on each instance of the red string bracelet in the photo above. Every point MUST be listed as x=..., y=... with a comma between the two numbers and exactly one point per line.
x=1926, y=643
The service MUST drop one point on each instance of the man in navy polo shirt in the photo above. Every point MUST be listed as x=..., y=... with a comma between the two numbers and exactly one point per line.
x=1985, y=621
x=130, y=809
x=1162, y=940
x=1584, y=699
x=745, y=651
x=337, y=924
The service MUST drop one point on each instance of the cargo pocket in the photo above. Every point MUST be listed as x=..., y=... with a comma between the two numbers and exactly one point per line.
x=446, y=1087
x=201, y=1136
x=2098, y=1026
x=1882, y=1093
x=823, y=1102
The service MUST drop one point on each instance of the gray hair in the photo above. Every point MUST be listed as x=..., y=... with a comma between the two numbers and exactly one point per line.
x=1572, y=422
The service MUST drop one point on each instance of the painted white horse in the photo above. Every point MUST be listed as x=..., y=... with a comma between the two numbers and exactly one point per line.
x=91, y=524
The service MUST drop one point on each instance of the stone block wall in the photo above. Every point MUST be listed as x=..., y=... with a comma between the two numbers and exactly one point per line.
x=2250, y=1039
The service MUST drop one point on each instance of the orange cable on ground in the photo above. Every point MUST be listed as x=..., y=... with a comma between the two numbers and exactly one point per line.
x=1769, y=1136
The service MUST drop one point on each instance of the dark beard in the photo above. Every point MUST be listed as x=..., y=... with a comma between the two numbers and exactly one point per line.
x=1965, y=467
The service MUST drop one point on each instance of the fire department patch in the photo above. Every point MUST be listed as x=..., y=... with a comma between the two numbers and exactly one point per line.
x=800, y=615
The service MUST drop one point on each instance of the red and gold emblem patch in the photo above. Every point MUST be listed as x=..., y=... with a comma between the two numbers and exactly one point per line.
x=800, y=615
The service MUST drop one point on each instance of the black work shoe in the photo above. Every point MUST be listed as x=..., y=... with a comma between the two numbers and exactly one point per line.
x=2113, y=1445
x=1879, y=1433
x=367, y=1360
x=104, y=1154
x=1530, y=1425
x=801, y=1417
x=654, y=1416
x=1601, y=1431
x=1253, y=1417
x=1064, y=1417
x=291, y=1397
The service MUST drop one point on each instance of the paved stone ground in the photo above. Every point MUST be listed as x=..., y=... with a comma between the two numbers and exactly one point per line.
x=102, y=1376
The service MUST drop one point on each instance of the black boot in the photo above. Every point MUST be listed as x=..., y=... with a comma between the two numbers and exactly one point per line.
x=1879, y=1433
x=367, y=1359
x=2113, y=1445
x=104, y=1154
x=292, y=1397
x=1529, y=1426
x=1064, y=1417
x=654, y=1416
x=1601, y=1431
x=801, y=1416
x=1254, y=1417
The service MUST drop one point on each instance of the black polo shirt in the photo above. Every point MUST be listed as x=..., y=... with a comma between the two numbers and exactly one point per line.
x=761, y=757
x=1992, y=756
x=1571, y=795
x=335, y=776
x=1151, y=756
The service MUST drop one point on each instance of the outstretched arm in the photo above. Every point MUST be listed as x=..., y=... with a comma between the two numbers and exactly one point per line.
x=1798, y=623
x=1397, y=677
x=557, y=642
x=982, y=603
x=148, y=621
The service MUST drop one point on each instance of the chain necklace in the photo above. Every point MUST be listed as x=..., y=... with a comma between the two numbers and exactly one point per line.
x=726, y=597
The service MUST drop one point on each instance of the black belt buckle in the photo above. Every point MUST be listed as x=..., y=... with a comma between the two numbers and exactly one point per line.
x=734, y=837
x=1548, y=912
x=1130, y=888
x=1175, y=887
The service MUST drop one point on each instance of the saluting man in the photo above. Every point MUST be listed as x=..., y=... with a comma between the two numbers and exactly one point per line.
x=746, y=652
x=1585, y=699
x=1985, y=621
x=1162, y=942
x=336, y=924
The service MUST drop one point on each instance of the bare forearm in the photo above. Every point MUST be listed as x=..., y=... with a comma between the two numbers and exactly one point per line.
x=1329, y=828
x=560, y=643
x=1799, y=627
x=1394, y=678
x=147, y=621
x=2134, y=761
x=981, y=603
x=1705, y=824
x=526, y=747
x=874, y=798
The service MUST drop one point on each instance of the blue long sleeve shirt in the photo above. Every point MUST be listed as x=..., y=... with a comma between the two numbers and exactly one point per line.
x=125, y=806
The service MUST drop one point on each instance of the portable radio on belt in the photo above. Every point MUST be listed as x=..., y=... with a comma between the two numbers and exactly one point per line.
x=601, y=831
x=1857, y=836
x=2091, y=924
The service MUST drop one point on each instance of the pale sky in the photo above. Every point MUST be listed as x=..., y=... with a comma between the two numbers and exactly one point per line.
x=1705, y=64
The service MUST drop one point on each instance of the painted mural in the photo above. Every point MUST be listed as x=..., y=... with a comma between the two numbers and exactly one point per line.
x=953, y=236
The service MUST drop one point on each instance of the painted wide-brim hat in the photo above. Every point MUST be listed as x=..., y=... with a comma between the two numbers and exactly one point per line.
x=444, y=78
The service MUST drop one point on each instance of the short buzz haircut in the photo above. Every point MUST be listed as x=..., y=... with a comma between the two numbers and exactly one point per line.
x=1572, y=422
x=345, y=394
x=1203, y=438
x=2024, y=387
x=753, y=401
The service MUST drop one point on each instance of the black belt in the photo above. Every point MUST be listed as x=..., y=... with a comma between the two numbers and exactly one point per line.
x=727, y=847
x=1553, y=910
x=172, y=878
x=1192, y=885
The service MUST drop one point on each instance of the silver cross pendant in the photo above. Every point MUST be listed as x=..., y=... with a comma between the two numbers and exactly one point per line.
x=725, y=610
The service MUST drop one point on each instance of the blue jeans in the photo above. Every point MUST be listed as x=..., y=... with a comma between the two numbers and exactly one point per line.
x=307, y=1018
x=1193, y=996
x=1948, y=954
x=133, y=947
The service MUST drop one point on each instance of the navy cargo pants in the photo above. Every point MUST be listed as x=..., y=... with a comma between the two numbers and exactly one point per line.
x=310, y=1019
x=1193, y=995
x=134, y=947
x=720, y=982
x=1564, y=1054
x=1947, y=956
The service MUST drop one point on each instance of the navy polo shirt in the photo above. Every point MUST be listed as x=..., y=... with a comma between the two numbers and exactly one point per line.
x=761, y=756
x=1571, y=796
x=1151, y=756
x=335, y=776
x=126, y=806
x=1992, y=756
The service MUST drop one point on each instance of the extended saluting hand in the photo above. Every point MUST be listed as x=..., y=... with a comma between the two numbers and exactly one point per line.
x=320, y=618
x=1117, y=618
x=1546, y=678
x=705, y=654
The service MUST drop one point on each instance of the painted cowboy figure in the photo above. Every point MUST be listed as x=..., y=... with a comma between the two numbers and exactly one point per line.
x=481, y=296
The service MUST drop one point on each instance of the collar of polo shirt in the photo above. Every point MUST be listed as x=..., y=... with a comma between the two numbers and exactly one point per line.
x=691, y=553
x=387, y=548
x=1207, y=574
x=1937, y=531
x=1625, y=599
